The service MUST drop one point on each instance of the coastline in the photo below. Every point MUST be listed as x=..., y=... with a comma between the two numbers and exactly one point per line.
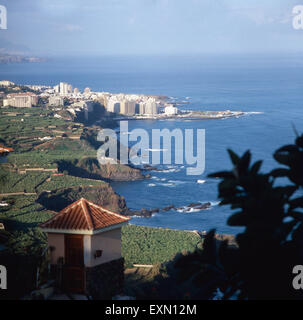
x=186, y=115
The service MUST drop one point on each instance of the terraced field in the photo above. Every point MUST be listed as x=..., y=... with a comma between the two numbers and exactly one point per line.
x=143, y=245
x=39, y=139
x=36, y=182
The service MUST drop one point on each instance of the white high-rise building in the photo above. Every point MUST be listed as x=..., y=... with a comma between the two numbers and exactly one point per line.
x=87, y=91
x=171, y=110
x=65, y=88
x=142, y=108
x=131, y=108
x=113, y=106
x=151, y=107
x=56, y=101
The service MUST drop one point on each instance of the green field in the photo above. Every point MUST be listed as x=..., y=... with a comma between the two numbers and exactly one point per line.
x=23, y=213
x=36, y=182
x=144, y=245
x=24, y=129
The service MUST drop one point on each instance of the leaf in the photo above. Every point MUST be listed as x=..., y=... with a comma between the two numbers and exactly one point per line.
x=288, y=191
x=245, y=160
x=228, y=184
x=296, y=215
x=279, y=173
x=289, y=148
x=295, y=203
x=282, y=158
x=235, y=159
x=221, y=174
x=256, y=167
x=299, y=141
x=237, y=219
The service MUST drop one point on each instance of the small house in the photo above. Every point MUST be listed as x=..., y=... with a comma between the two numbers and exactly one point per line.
x=85, y=249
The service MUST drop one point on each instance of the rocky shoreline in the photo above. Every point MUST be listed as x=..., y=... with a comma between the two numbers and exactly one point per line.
x=147, y=213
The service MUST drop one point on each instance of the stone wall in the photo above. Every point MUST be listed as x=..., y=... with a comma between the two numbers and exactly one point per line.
x=106, y=280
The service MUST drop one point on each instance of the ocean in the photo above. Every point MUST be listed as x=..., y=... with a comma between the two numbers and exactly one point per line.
x=269, y=89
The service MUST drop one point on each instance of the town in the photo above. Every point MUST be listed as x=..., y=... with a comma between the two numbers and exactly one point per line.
x=64, y=94
x=124, y=106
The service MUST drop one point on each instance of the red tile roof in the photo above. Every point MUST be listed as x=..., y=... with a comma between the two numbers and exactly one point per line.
x=84, y=215
x=5, y=150
x=21, y=94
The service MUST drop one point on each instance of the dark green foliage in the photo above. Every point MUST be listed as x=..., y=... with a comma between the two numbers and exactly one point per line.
x=23, y=257
x=272, y=214
x=142, y=245
x=260, y=267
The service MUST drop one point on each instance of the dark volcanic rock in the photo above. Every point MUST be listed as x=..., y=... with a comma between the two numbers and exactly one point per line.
x=140, y=213
x=102, y=195
x=193, y=205
x=148, y=167
x=149, y=212
x=168, y=208
x=204, y=206
x=90, y=168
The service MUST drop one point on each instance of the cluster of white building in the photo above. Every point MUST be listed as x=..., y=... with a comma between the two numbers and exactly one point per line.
x=6, y=83
x=125, y=104
x=66, y=90
x=21, y=100
x=130, y=106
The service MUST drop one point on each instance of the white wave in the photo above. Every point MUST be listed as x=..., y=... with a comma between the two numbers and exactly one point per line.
x=193, y=209
x=151, y=185
x=214, y=203
x=253, y=112
x=201, y=181
x=158, y=179
x=167, y=184
x=171, y=167
x=188, y=210
x=170, y=170
x=177, y=182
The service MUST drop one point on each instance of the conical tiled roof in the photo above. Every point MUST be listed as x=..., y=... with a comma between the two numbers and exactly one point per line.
x=85, y=216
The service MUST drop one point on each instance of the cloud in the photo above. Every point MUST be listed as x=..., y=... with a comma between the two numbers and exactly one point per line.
x=151, y=26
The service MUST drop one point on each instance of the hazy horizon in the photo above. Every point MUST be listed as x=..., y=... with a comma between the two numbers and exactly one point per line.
x=150, y=27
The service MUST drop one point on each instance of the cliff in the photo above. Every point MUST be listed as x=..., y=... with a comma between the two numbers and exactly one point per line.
x=90, y=168
x=103, y=195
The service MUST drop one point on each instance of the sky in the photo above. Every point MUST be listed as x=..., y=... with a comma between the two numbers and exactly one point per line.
x=129, y=27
